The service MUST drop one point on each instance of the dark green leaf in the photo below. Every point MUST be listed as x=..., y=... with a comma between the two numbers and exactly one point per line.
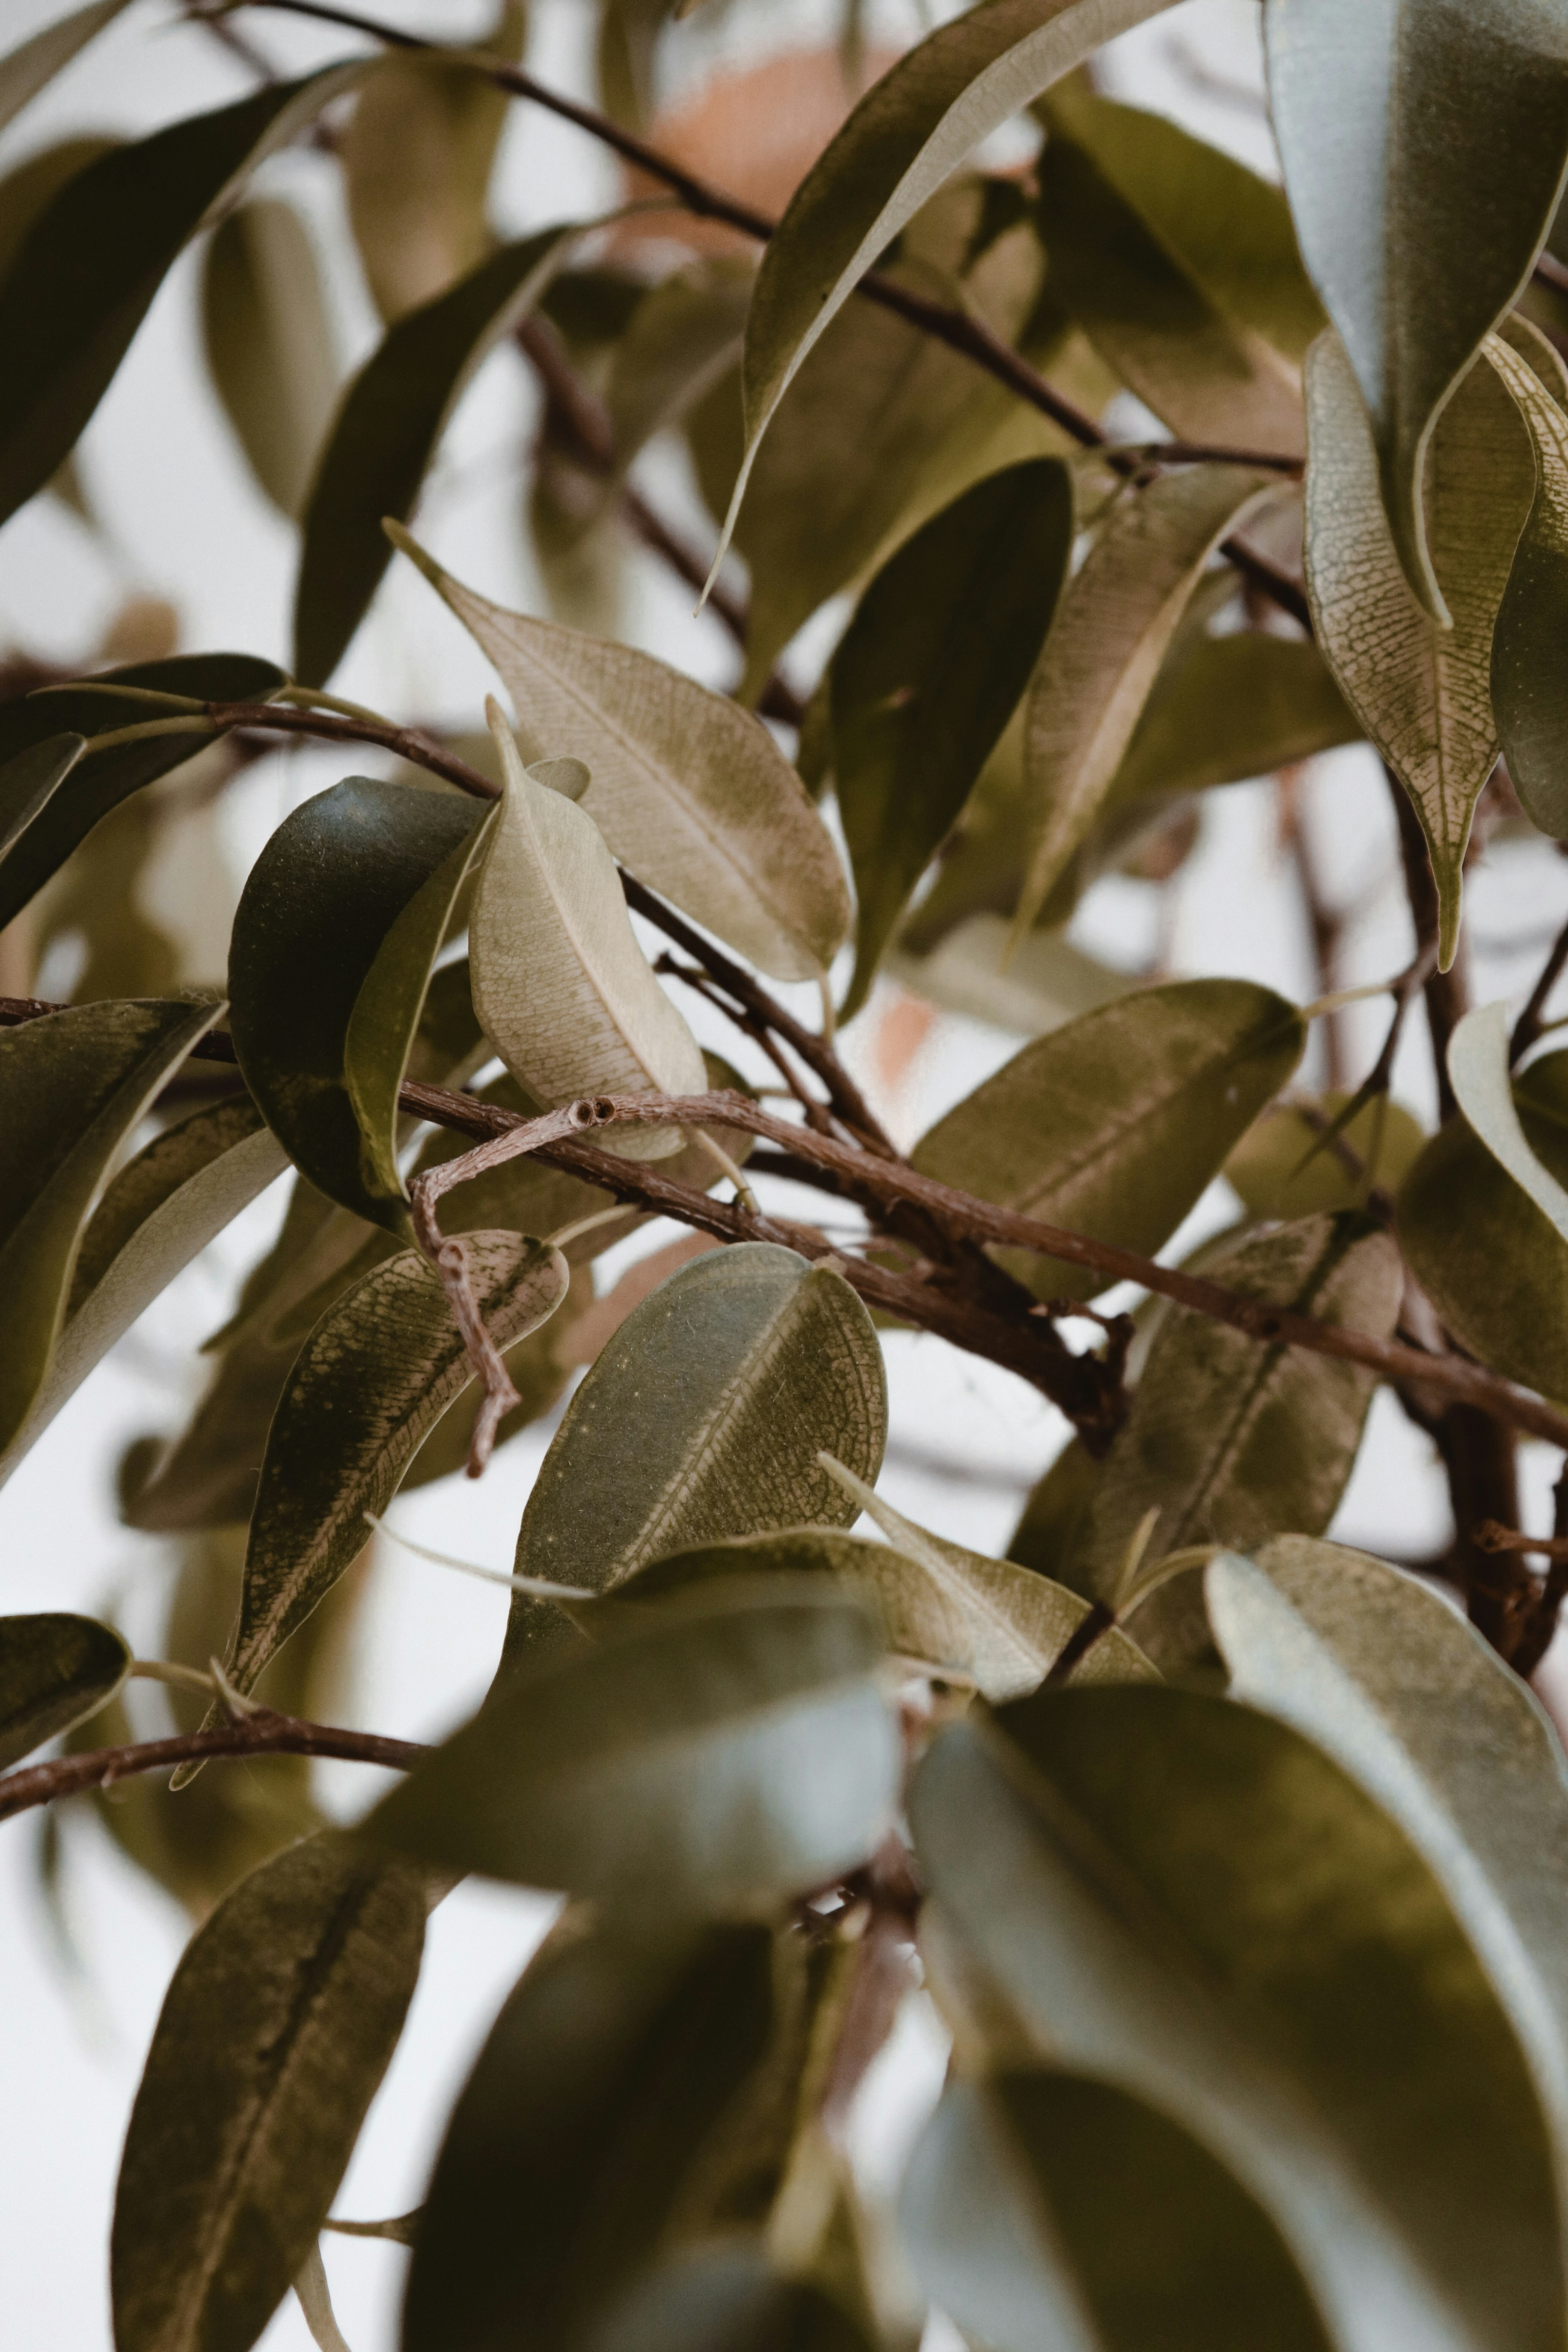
x=1038, y=2201
x=24, y=191
x=28, y=778
x=274, y=2033
x=1187, y=1899
x=338, y=924
x=928, y=673
x=726, y=2298
x=391, y=419
x=708, y=1755
x=1113, y=1125
x=270, y=346
x=54, y=1671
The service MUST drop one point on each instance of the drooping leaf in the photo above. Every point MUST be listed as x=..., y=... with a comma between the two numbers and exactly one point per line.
x=74, y=1084
x=1422, y=692
x=55, y=1671
x=1043, y=2199
x=1478, y=1072
x=1493, y=1262
x=604, y=2085
x=1525, y=675
x=1232, y=1439
x=907, y=135
x=174, y=1198
x=1113, y=1123
x=1380, y=1146
x=1390, y=126
x=689, y=790
x=276, y=2029
x=1191, y=1902
x=1113, y=628
x=337, y=929
x=1379, y=1671
x=927, y=675
x=270, y=346
x=87, y=273
x=1233, y=707
x=387, y=433
x=708, y=1756
x=25, y=71
x=702, y=1419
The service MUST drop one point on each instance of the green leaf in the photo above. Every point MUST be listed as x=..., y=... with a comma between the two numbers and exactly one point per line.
x=24, y=191
x=913, y=129
x=1044, y=2200
x=1422, y=692
x=724, y=2297
x=1112, y=630
x=387, y=431
x=376, y=1373
x=927, y=675
x=1230, y=708
x=36, y=841
x=274, y=2033
x=338, y=924
x=86, y=276
x=566, y=995
x=710, y=1755
x=271, y=344
x=1046, y=983
x=157, y=1213
x=1266, y=1167
x=1525, y=674
x=28, y=780
x=1493, y=1263
x=55, y=1671
x=684, y=335
x=688, y=789
x=1185, y=330
x=1384, y=1676
x=1232, y=1439
x=598, y=2099
x=1113, y=1125
x=703, y=1419
x=1192, y=1902
x=24, y=72
x=1390, y=127
x=75, y=1084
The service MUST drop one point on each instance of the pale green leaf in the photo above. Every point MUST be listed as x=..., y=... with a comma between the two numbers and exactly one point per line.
x=55, y=1671
x=1191, y=1902
x=688, y=789
x=271, y=344
x=1422, y=692
x=1379, y=1145
x=1043, y=2199
x=1113, y=628
x=1114, y=1124
x=1032, y=992
x=25, y=71
x=1525, y=668
x=1393, y=124
x=714, y=1754
x=1479, y=1073
x=274, y=2033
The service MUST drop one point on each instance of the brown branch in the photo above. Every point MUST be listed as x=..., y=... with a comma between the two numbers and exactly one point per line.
x=1533, y=1020
x=261, y=1734
x=1444, y=991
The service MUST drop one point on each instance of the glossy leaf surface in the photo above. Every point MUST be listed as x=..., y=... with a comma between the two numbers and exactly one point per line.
x=54, y=1670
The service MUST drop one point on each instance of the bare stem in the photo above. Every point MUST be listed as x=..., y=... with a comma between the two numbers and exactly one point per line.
x=262, y=1733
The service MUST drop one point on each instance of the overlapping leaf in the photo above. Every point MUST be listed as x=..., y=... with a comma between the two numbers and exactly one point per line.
x=1232, y=708
x=54, y=1669
x=1283, y=1167
x=1526, y=678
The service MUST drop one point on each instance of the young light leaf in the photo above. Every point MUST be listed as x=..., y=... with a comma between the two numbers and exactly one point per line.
x=1386, y=1677
x=36, y=838
x=1479, y=1073
x=25, y=71
x=688, y=789
x=1422, y=692
x=1113, y=1123
x=603, y=2089
x=1112, y=631
x=566, y=995
x=1526, y=686
x=1232, y=708
x=1015, y=2210
x=911, y=131
x=711, y=1756
x=1231, y=1438
x=388, y=428
x=55, y=1671
x=337, y=929
x=88, y=271
x=1390, y=125
x=274, y=2032
x=927, y=675
x=271, y=344
x=75, y=1084
x=158, y=1212
x=703, y=1419
x=1492, y=1262
x=1128, y=1868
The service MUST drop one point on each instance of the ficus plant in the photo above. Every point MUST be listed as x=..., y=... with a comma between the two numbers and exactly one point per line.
x=1234, y=1861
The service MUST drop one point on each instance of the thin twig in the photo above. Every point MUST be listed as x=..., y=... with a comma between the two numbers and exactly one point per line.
x=262, y=1733
x=1533, y=1020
